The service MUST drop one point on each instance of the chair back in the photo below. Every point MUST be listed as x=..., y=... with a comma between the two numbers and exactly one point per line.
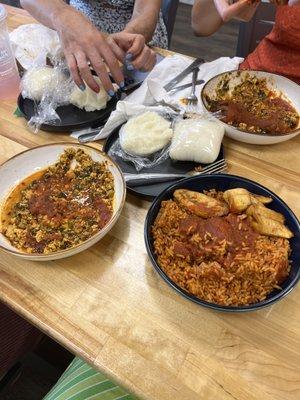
x=252, y=32
x=169, y=11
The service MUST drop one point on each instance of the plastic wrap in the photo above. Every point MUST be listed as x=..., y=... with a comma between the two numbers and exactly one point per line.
x=140, y=162
x=49, y=88
x=33, y=44
x=197, y=139
x=145, y=161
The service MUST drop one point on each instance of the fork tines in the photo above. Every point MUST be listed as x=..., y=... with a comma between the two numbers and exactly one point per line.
x=218, y=166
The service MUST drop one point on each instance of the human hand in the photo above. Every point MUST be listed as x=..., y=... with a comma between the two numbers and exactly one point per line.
x=82, y=42
x=241, y=9
x=130, y=48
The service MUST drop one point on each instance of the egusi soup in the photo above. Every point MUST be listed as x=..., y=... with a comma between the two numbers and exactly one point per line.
x=61, y=206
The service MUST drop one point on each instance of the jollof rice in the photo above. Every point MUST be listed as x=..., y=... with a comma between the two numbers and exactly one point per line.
x=217, y=274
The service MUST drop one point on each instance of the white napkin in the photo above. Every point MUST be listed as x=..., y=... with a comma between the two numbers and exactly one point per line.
x=152, y=89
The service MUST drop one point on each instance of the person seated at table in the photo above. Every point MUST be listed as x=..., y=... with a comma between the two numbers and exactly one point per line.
x=278, y=52
x=81, y=382
x=82, y=26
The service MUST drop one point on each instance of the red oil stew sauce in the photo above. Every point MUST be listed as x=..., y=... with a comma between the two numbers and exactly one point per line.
x=60, y=207
x=252, y=106
x=236, y=231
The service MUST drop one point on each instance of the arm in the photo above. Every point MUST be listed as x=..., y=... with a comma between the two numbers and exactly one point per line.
x=45, y=11
x=144, y=18
x=209, y=15
x=205, y=18
x=143, y=23
x=81, y=42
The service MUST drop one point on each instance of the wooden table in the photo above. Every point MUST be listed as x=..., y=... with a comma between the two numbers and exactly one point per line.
x=110, y=307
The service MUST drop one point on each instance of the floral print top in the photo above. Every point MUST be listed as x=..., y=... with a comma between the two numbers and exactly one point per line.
x=111, y=16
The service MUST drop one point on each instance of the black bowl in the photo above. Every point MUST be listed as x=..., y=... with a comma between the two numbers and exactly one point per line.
x=224, y=182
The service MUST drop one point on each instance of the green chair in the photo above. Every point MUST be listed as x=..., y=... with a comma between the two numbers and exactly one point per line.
x=81, y=382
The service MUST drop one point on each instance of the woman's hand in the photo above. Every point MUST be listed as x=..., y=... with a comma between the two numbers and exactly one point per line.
x=130, y=48
x=242, y=9
x=83, y=43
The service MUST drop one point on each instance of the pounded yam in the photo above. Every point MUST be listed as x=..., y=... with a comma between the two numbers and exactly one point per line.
x=88, y=99
x=145, y=134
x=197, y=140
x=38, y=82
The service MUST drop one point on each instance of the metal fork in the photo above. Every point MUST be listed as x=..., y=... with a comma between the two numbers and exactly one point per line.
x=163, y=103
x=87, y=137
x=185, y=86
x=192, y=99
x=152, y=178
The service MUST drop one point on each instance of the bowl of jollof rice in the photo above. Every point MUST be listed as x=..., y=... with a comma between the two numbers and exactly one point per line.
x=233, y=260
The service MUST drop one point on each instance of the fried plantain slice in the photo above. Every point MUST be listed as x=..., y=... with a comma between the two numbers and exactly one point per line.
x=260, y=209
x=256, y=198
x=270, y=227
x=238, y=199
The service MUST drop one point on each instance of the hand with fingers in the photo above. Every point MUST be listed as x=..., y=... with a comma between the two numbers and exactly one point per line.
x=130, y=48
x=241, y=9
x=83, y=43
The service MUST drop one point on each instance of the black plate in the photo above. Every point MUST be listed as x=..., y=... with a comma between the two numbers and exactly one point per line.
x=72, y=118
x=224, y=182
x=149, y=192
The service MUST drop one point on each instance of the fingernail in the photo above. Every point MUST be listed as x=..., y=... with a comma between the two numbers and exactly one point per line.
x=82, y=87
x=130, y=67
x=128, y=57
x=122, y=86
x=111, y=93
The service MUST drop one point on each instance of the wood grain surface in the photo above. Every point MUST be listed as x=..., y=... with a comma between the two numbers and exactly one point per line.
x=110, y=307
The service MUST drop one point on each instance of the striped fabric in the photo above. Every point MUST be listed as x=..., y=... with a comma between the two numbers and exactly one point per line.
x=81, y=382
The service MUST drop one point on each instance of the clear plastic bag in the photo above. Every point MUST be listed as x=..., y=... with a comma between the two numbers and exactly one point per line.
x=155, y=158
x=140, y=162
x=197, y=139
x=33, y=44
x=49, y=88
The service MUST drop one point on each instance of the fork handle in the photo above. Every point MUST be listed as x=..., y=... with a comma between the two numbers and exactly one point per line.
x=149, y=179
x=194, y=80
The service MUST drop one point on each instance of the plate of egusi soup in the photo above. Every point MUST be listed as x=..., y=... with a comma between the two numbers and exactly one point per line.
x=58, y=200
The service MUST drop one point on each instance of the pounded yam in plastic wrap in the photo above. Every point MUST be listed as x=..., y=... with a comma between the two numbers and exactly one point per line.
x=41, y=81
x=145, y=134
x=197, y=140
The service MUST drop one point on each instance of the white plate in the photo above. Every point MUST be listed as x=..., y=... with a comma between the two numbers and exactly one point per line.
x=17, y=168
x=280, y=84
